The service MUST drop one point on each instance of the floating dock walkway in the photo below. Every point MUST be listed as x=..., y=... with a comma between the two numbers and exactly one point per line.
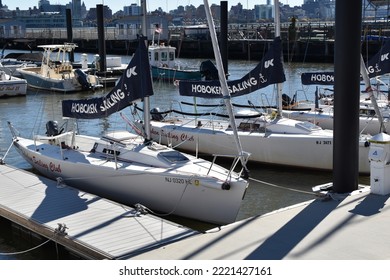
x=353, y=226
x=92, y=227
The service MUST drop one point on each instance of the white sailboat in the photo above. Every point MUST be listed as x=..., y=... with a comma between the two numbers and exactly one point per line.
x=374, y=104
x=269, y=138
x=130, y=169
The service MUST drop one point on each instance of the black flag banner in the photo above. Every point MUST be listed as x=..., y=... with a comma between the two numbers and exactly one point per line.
x=268, y=71
x=379, y=64
x=135, y=83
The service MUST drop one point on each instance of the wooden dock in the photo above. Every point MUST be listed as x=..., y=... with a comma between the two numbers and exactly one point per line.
x=352, y=226
x=90, y=226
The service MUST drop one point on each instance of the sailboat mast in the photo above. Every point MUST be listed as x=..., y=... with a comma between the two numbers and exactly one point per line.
x=146, y=102
x=277, y=34
x=222, y=79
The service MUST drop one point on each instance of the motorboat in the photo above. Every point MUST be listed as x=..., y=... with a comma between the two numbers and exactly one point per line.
x=165, y=66
x=56, y=73
x=12, y=61
x=114, y=68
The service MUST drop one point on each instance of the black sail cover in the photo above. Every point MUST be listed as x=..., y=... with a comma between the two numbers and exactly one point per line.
x=135, y=83
x=379, y=64
x=268, y=71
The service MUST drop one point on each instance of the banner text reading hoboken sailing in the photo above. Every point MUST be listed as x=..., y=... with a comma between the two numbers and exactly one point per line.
x=135, y=83
x=268, y=71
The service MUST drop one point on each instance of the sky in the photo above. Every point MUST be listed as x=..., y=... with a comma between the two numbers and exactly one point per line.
x=152, y=5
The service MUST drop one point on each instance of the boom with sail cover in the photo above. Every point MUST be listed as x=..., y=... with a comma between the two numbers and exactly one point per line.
x=268, y=71
x=379, y=64
x=135, y=83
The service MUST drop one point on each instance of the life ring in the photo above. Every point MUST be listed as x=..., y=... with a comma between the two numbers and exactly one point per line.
x=176, y=82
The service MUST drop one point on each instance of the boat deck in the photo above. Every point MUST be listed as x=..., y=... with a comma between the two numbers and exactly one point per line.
x=95, y=228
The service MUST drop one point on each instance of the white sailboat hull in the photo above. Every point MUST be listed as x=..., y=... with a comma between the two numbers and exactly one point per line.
x=313, y=150
x=165, y=191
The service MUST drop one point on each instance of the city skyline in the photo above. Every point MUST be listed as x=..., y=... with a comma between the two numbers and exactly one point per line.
x=116, y=5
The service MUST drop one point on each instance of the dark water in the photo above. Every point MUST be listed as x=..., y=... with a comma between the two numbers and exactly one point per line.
x=271, y=187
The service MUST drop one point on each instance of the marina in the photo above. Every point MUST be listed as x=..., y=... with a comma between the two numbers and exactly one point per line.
x=287, y=213
x=92, y=227
x=273, y=192
x=323, y=228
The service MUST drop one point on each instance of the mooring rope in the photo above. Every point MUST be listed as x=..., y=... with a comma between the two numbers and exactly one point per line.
x=25, y=251
x=143, y=209
x=280, y=187
x=59, y=231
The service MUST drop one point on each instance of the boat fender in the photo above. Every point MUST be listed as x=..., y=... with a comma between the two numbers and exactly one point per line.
x=82, y=78
x=156, y=115
x=226, y=186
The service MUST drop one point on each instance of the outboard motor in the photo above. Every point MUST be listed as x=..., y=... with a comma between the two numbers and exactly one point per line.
x=286, y=100
x=52, y=128
x=82, y=78
x=156, y=115
x=208, y=70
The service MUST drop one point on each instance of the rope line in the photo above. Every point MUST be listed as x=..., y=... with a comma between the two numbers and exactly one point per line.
x=143, y=209
x=59, y=231
x=25, y=251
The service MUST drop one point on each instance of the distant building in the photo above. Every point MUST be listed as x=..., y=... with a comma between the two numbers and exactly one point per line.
x=132, y=10
x=44, y=20
x=43, y=2
x=76, y=9
x=264, y=12
x=131, y=26
x=92, y=13
x=320, y=9
x=11, y=28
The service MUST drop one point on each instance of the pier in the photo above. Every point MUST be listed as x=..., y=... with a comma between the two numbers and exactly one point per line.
x=89, y=226
x=310, y=42
x=351, y=226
